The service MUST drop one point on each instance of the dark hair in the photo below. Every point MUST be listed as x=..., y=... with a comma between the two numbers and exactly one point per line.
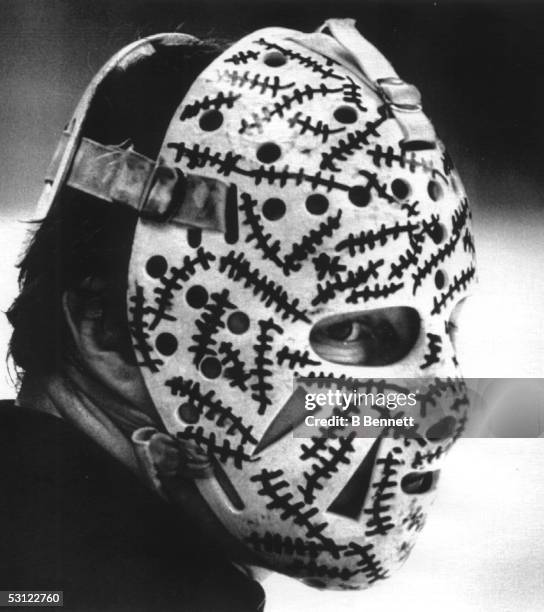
x=82, y=237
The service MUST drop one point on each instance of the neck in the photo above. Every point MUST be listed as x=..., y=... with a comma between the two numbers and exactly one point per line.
x=88, y=405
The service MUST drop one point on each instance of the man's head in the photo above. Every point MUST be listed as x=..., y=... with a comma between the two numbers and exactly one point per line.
x=302, y=219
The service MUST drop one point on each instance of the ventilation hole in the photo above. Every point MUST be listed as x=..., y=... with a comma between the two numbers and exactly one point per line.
x=210, y=367
x=238, y=322
x=400, y=188
x=345, y=114
x=268, y=153
x=359, y=195
x=211, y=120
x=194, y=237
x=274, y=59
x=441, y=430
x=274, y=209
x=317, y=204
x=226, y=485
x=440, y=279
x=156, y=266
x=231, y=215
x=417, y=483
x=351, y=499
x=196, y=296
x=189, y=413
x=438, y=233
x=435, y=191
x=166, y=344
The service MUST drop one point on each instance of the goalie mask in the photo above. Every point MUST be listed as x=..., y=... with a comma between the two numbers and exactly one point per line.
x=298, y=179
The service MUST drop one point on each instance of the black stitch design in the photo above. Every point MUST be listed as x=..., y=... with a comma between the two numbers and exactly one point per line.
x=388, y=157
x=262, y=362
x=326, y=467
x=352, y=94
x=324, y=70
x=307, y=246
x=295, y=511
x=415, y=519
x=367, y=293
x=319, y=570
x=369, y=566
x=254, y=81
x=459, y=283
x=407, y=259
x=428, y=457
x=213, y=409
x=411, y=209
x=253, y=219
x=351, y=280
x=354, y=141
x=193, y=109
x=297, y=96
x=434, y=347
x=432, y=263
x=227, y=164
x=468, y=242
x=295, y=358
x=238, y=268
x=370, y=238
x=447, y=163
x=242, y=57
x=281, y=545
x=460, y=217
x=324, y=264
x=223, y=452
x=235, y=372
x=138, y=327
x=380, y=522
x=169, y=284
x=436, y=390
x=318, y=129
x=209, y=323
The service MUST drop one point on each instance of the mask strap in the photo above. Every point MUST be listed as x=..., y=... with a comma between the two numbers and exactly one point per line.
x=340, y=40
x=155, y=190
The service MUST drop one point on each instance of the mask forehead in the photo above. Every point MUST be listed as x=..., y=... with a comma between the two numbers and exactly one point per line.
x=332, y=214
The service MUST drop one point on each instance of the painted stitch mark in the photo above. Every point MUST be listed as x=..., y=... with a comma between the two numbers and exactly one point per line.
x=294, y=358
x=370, y=238
x=298, y=512
x=320, y=570
x=171, y=283
x=209, y=323
x=354, y=141
x=223, y=451
x=236, y=371
x=428, y=457
x=297, y=96
x=329, y=289
x=228, y=164
x=191, y=110
x=242, y=57
x=369, y=565
x=380, y=521
x=388, y=157
x=262, y=363
x=415, y=519
x=138, y=327
x=254, y=81
x=434, y=347
x=238, y=269
x=317, y=129
x=367, y=293
x=352, y=94
x=325, y=265
x=459, y=283
x=277, y=544
x=325, y=70
x=213, y=409
x=328, y=465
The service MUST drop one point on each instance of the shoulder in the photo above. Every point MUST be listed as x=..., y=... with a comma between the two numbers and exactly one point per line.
x=77, y=520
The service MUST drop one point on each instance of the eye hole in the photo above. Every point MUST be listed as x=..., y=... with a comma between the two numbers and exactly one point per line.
x=372, y=338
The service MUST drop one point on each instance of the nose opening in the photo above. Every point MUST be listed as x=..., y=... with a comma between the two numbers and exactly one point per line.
x=376, y=337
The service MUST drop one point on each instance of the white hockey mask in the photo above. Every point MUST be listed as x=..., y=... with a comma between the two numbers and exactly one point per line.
x=298, y=179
